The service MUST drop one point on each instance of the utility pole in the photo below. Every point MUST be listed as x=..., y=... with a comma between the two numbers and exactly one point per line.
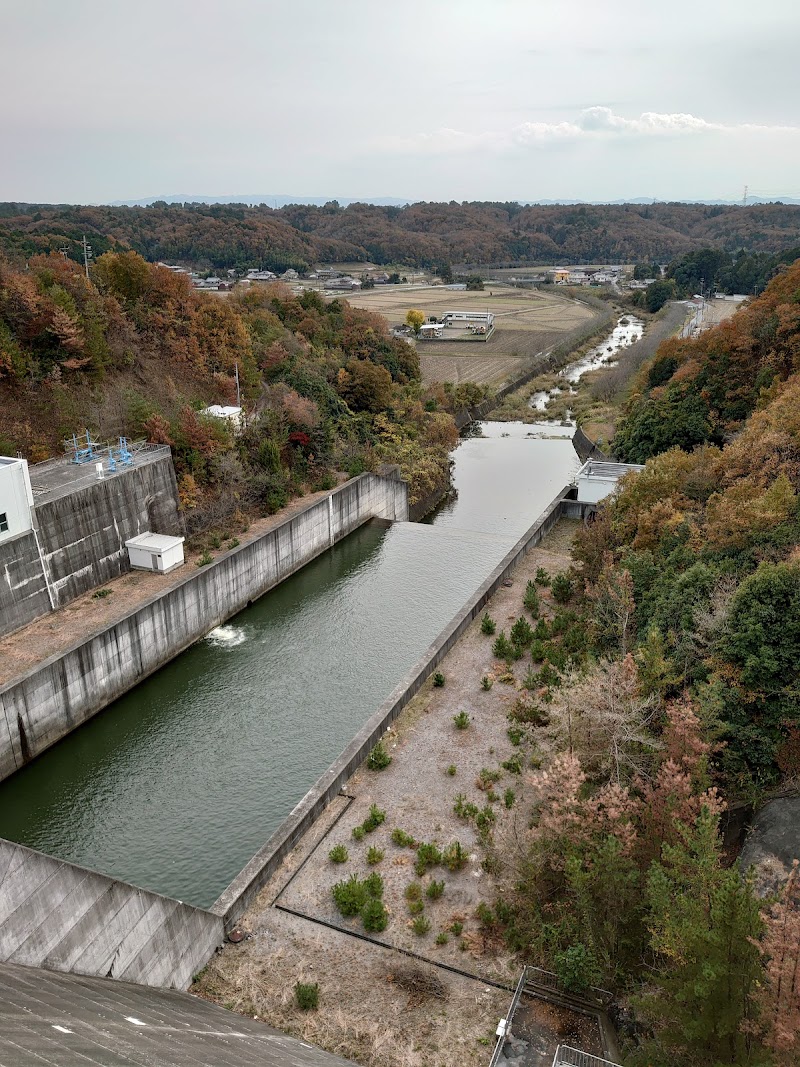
x=238, y=391
x=87, y=255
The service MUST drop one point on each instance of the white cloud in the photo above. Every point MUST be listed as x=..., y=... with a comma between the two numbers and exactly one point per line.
x=593, y=123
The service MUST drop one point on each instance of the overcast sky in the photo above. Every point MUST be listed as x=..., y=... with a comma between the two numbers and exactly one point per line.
x=427, y=99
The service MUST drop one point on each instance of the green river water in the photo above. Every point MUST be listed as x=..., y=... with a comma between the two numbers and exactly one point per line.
x=177, y=784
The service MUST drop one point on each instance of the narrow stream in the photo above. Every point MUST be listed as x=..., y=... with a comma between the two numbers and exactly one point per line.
x=177, y=784
x=627, y=330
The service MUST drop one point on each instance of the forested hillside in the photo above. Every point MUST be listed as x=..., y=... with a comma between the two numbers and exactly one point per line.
x=698, y=391
x=136, y=351
x=425, y=235
x=665, y=691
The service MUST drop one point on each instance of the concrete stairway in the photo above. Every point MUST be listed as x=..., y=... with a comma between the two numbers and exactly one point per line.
x=66, y=1020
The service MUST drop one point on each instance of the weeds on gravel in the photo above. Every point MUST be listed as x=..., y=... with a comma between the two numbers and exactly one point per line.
x=488, y=625
x=374, y=916
x=456, y=929
x=404, y=840
x=375, y=818
x=542, y=577
x=352, y=895
x=531, y=599
x=451, y=770
x=359, y=833
x=505, y=649
x=509, y=797
x=516, y=735
x=338, y=854
x=374, y=855
x=435, y=890
x=438, y=679
x=461, y=720
x=442, y=938
x=486, y=682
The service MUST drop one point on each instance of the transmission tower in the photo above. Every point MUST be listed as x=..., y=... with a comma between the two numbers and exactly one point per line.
x=744, y=198
x=87, y=255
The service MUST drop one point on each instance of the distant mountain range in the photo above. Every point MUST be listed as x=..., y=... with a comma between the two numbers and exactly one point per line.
x=274, y=200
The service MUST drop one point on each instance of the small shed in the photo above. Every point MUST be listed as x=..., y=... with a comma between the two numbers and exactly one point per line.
x=598, y=478
x=155, y=552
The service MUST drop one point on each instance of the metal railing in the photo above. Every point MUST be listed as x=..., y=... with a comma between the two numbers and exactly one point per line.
x=573, y=1057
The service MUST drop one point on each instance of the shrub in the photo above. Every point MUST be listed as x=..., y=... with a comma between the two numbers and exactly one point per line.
x=521, y=633
x=373, y=884
x=451, y=770
x=442, y=938
x=455, y=856
x=379, y=758
x=456, y=929
x=101, y=594
x=516, y=735
x=485, y=820
x=492, y=796
x=531, y=599
x=434, y=890
x=541, y=631
x=205, y=559
x=428, y=855
x=538, y=654
x=487, y=778
x=416, y=907
x=374, y=819
x=233, y=542
x=404, y=840
x=486, y=682
x=359, y=833
x=421, y=925
x=542, y=577
x=464, y=808
x=215, y=541
x=350, y=896
x=505, y=649
x=461, y=720
x=338, y=854
x=576, y=968
x=438, y=679
x=509, y=797
x=306, y=995
x=513, y=764
x=548, y=675
x=488, y=625
x=562, y=587
x=413, y=891
x=374, y=855
x=374, y=916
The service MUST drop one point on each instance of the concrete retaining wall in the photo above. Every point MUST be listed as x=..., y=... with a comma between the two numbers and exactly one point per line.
x=67, y=918
x=83, y=533
x=50, y=701
x=23, y=590
x=235, y=900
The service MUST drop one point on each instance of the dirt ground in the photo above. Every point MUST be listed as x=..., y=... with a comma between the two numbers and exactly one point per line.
x=296, y=933
x=89, y=614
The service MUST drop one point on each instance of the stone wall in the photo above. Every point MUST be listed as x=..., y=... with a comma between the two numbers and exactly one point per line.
x=49, y=701
x=235, y=900
x=56, y=915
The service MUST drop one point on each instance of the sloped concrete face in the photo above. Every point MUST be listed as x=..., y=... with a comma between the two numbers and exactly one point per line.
x=58, y=1020
x=67, y=918
x=23, y=590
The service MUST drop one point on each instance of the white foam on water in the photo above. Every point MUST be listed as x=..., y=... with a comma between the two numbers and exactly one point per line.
x=226, y=636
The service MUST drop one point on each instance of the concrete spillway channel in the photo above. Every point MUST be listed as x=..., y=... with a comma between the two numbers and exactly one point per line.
x=176, y=785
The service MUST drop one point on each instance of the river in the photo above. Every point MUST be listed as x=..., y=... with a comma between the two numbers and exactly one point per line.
x=177, y=784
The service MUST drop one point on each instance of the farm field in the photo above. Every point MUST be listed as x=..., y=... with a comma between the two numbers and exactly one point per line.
x=525, y=322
